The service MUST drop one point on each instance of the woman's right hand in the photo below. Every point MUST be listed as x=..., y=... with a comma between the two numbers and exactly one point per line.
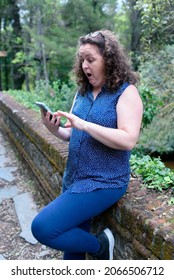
x=52, y=123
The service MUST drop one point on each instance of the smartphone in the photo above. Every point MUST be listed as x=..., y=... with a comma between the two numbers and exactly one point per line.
x=46, y=109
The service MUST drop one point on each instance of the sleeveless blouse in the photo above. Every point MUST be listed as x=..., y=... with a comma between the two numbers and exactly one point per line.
x=92, y=165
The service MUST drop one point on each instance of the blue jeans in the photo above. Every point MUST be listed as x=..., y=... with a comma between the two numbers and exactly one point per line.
x=64, y=224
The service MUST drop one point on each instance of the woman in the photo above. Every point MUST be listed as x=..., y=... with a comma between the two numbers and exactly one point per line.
x=102, y=127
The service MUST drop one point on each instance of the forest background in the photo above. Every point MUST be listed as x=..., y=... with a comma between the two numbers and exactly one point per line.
x=38, y=40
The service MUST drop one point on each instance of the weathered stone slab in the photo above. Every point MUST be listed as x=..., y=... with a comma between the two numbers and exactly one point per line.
x=1, y=257
x=2, y=150
x=6, y=193
x=26, y=211
x=3, y=159
x=6, y=173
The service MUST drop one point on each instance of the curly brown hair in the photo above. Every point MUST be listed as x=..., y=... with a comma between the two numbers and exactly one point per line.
x=117, y=64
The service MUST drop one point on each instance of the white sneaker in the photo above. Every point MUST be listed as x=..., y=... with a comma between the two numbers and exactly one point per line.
x=111, y=240
x=106, y=240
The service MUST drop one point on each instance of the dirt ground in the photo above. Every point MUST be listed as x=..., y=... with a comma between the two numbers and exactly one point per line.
x=12, y=245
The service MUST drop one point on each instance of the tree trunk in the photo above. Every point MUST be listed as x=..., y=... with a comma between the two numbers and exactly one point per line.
x=41, y=49
x=15, y=19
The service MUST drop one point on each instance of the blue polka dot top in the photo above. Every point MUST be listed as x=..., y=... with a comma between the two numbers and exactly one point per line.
x=91, y=165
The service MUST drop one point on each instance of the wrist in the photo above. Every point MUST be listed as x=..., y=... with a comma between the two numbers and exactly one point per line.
x=85, y=126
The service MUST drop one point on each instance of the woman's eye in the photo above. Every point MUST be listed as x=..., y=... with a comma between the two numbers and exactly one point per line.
x=90, y=60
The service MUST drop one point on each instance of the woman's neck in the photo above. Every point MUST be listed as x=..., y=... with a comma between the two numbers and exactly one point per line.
x=96, y=91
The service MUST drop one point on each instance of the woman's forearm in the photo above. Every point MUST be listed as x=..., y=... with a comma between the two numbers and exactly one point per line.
x=61, y=132
x=111, y=137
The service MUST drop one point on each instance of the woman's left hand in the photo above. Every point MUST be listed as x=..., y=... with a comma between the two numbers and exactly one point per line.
x=73, y=120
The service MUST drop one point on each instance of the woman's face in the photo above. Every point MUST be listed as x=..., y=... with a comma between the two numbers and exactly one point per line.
x=92, y=65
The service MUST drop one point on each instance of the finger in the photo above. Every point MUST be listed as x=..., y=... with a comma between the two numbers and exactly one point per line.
x=64, y=114
x=48, y=116
x=68, y=124
x=53, y=119
x=57, y=121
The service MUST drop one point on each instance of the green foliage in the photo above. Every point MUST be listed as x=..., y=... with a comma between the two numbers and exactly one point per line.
x=42, y=44
x=56, y=96
x=153, y=172
x=158, y=137
x=88, y=15
x=122, y=27
x=151, y=103
x=158, y=72
x=157, y=22
x=171, y=201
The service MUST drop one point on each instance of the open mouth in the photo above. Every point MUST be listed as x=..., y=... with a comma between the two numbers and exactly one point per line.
x=88, y=75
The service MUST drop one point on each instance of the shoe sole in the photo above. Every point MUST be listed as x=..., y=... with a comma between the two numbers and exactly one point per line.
x=111, y=242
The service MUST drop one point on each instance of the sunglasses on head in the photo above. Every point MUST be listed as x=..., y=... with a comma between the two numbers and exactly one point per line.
x=94, y=34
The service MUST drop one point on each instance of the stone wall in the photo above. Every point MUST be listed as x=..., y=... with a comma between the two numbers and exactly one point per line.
x=142, y=221
x=45, y=154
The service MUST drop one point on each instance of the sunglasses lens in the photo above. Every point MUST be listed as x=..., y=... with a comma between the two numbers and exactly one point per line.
x=94, y=34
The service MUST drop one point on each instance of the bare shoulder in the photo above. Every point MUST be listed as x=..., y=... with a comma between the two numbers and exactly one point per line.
x=130, y=104
x=131, y=91
x=131, y=96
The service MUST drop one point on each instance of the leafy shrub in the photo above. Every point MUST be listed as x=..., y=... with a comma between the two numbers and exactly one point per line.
x=158, y=137
x=157, y=72
x=56, y=96
x=154, y=173
x=151, y=103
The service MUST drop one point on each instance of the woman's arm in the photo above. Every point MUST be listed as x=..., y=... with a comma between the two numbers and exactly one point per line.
x=129, y=117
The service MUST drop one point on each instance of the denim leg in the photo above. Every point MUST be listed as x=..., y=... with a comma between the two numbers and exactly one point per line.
x=58, y=224
x=78, y=256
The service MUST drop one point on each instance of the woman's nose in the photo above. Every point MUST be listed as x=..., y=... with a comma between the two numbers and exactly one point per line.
x=85, y=65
